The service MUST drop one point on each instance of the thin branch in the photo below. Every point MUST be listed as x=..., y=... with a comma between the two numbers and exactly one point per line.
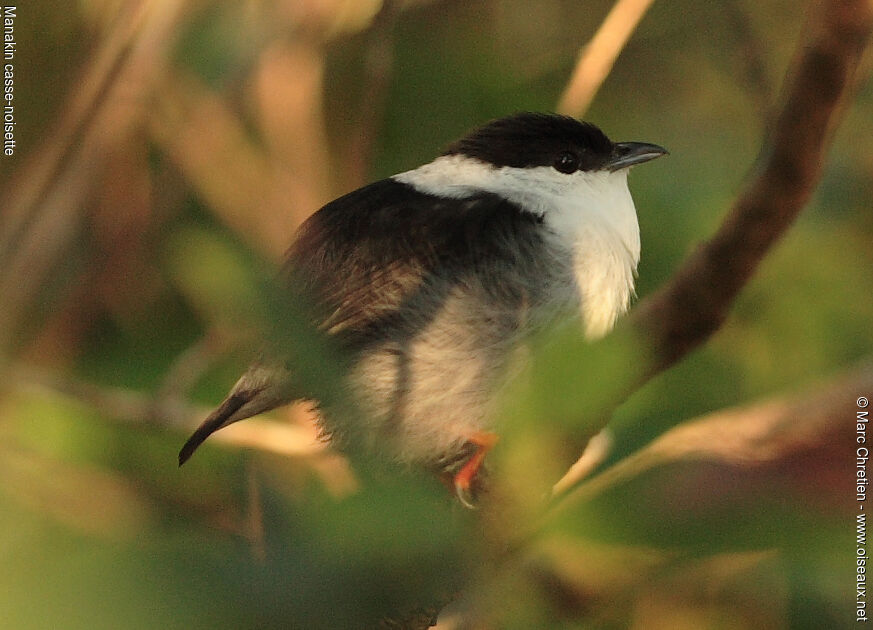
x=254, y=520
x=752, y=57
x=695, y=302
x=421, y=618
x=187, y=369
x=751, y=436
x=128, y=407
x=596, y=451
x=43, y=208
x=288, y=91
x=599, y=55
x=93, y=90
x=209, y=144
x=379, y=64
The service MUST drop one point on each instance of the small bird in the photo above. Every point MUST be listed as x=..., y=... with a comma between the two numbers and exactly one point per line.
x=430, y=281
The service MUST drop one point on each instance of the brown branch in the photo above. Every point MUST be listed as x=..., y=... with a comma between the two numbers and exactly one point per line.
x=796, y=442
x=93, y=90
x=419, y=619
x=254, y=521
x=288, y=88
x=379, y=64
x=198, y=132
x=129, y=407
x=596, y=451
x=599, y=55
x=695, y=302
x=190, y=365
x=758, y=435
x=43, y=208
x=752, y=56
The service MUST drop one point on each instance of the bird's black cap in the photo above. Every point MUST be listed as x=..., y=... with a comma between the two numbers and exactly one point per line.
x=535, y=139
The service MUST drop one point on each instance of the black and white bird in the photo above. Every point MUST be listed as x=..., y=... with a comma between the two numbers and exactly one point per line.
x=430, y=281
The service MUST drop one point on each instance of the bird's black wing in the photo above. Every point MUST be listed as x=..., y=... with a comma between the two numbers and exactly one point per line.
x=378, y=261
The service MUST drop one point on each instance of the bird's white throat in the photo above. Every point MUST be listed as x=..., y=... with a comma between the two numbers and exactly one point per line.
x=591, y=213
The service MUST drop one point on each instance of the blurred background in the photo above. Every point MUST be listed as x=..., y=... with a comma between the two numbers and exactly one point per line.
x=168, y=149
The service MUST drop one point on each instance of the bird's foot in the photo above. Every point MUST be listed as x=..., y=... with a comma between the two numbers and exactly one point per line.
x=464, y=480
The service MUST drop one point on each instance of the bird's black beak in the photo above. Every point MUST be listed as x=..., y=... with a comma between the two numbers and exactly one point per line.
x=627, y=154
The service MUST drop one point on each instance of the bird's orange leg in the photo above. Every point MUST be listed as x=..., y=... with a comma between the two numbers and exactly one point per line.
x=463, y=479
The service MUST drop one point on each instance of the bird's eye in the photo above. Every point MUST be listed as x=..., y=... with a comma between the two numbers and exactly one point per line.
x=567, y=162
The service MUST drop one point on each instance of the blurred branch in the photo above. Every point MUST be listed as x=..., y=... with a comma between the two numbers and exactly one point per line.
x=43, y=205
x=129, y=407
x=420, y=619
x=596, y=451
x=752, y=56
x=378, y=66
x=210, y=146
x=84, y=107
x=254, y=521
x=765, y=433
x=599, y=55
x=190, y=365
x=86, y=498
x=581, y=580
x=288, y=86
x=694, y=303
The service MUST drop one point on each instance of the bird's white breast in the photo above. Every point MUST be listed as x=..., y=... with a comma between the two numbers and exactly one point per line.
x=591, y=214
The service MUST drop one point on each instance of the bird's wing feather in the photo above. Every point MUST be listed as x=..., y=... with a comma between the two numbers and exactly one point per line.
x=364, y=258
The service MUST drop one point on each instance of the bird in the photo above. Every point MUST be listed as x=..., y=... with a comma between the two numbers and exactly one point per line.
x=432, y=281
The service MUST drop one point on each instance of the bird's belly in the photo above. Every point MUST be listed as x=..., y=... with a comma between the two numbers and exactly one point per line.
x=421, y=408
x=422, y=395
x=426, y=386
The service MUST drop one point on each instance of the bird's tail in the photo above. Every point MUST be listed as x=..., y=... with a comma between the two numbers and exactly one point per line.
x=260, y=389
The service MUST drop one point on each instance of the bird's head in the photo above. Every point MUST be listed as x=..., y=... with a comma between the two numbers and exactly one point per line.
x=539, y=142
